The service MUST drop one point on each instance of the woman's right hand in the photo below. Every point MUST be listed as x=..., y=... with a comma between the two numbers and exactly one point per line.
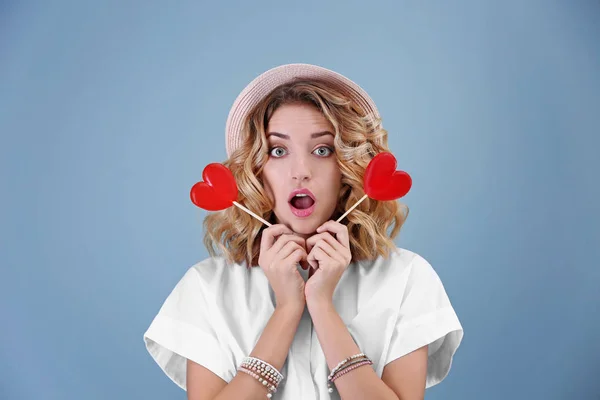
x=280, y=252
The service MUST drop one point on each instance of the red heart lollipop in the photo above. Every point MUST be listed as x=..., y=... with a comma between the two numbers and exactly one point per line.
x=218, y=191
x=382, y=181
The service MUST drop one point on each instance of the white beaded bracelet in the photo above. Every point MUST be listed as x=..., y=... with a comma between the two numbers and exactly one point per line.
x=272, y=389
x=263, y=368
x=264, y=372
x=268, y=367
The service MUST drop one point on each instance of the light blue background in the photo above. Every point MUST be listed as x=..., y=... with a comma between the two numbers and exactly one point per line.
x=110, y=110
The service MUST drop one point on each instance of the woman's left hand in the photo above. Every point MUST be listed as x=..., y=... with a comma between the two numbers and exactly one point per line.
x=329, y=257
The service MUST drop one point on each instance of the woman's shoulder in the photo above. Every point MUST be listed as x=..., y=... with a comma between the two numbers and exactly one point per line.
x=209, y=267
x=400, y=265
x=398, y=260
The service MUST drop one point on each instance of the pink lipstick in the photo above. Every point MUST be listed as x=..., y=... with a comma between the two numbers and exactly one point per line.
x=302, y=202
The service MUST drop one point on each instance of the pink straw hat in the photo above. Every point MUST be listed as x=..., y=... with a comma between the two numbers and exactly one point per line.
x=265, y=83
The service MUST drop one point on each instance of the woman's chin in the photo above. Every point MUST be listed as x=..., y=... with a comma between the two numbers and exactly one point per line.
x=304, y=228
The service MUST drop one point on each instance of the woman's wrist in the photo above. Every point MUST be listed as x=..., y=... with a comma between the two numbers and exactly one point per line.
x=291, y=309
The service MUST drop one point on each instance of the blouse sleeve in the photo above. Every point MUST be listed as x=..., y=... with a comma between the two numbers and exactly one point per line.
x=426, y=317
x=182, y=330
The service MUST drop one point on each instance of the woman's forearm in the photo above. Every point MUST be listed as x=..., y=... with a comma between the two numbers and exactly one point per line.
x=337, y=344
x=272, y=347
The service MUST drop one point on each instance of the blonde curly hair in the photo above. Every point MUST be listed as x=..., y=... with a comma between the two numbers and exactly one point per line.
x=236, y=235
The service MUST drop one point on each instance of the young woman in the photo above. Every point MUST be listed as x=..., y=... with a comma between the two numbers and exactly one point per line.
x=308, y=308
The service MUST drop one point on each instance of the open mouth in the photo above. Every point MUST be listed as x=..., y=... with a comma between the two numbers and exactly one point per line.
x=302, y=202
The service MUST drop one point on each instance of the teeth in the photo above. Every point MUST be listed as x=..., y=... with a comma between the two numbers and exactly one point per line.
x=301, y=195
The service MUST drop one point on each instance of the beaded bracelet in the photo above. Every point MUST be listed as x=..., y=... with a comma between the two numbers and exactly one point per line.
x=345, y=371
x=341, y=363
x=343, y=366
x=271, y=389
x=348, y=364
x=350, y=368
x=264, y=372
x=263, y=367
x=263, y=375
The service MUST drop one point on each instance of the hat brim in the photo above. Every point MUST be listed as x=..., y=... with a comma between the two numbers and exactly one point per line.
x=268, y=81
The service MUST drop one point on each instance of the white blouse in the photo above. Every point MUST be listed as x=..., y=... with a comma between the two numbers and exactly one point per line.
x=391, y=306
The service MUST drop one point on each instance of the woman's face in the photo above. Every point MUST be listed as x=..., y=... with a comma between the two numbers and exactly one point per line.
x=301, y=157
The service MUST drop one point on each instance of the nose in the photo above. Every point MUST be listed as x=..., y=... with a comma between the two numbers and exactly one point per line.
x=301, y=177
x=301, y=170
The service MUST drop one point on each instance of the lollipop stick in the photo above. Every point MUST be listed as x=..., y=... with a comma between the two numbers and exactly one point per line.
x=352, y=208
x=251, y=213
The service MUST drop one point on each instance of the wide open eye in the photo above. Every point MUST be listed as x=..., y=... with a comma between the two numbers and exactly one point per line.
x=323, y=151
x=277, y=152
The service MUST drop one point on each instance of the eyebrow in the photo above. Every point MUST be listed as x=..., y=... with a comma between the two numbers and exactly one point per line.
x=312, y=136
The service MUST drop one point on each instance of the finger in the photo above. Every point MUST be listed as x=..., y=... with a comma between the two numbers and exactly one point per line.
x=327, y=248
x=340, y=253
x=317, y=258
x=297, y=256
x=269, y=234
x=285, y=238
x=287, y=250
x=326, y=236
x=339, y=230
x=312, y=261
x=311, y=241
x=329, y=251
